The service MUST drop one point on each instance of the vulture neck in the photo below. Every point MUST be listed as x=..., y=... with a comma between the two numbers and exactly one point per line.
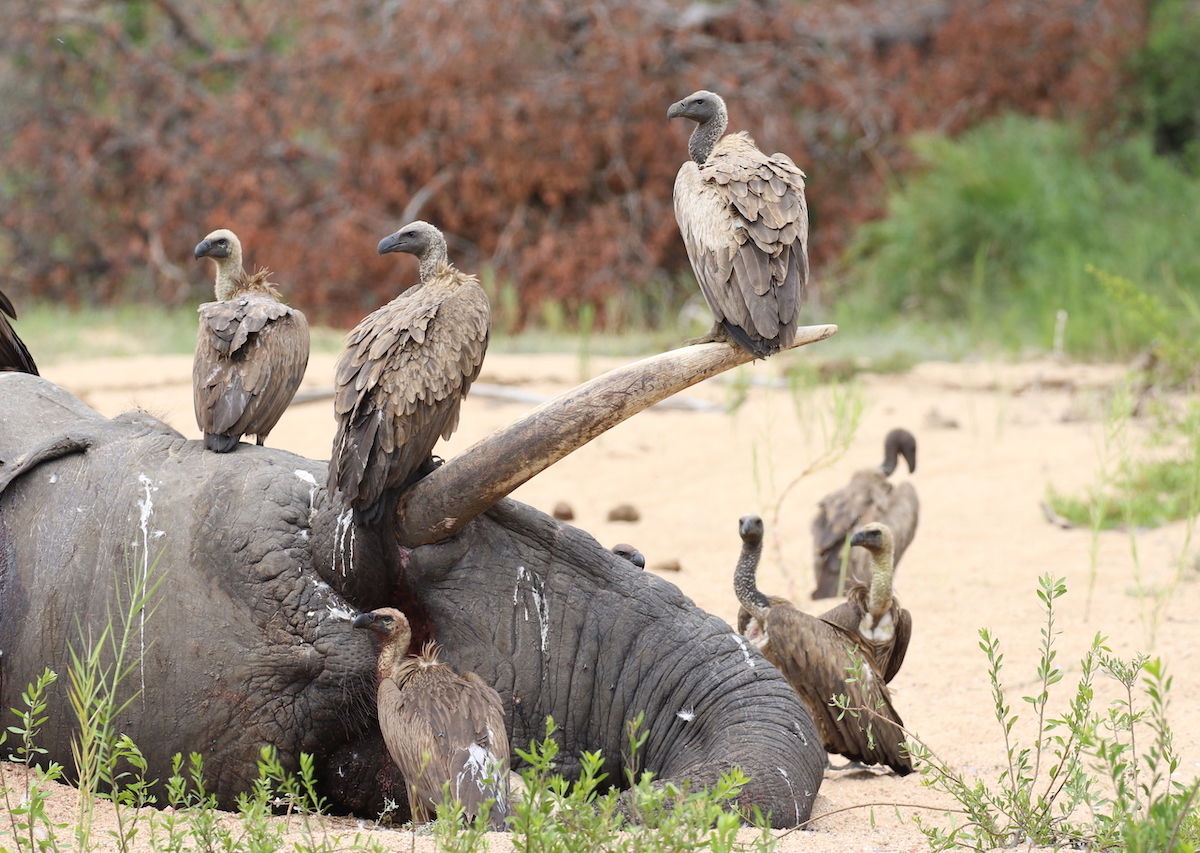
x=230, y=276
x=391, y=657
x=879, y=598
x=432, y=262
x=745, y=583
x=705, y=137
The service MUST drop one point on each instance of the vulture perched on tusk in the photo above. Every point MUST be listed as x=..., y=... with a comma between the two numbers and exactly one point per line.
x=251, y=350
x=13, y=354
x=882, y=627
x=867, y=497
x=439, y=726
x=628, y=552
x=820, y=661
x=403, y=376
x=744, y=221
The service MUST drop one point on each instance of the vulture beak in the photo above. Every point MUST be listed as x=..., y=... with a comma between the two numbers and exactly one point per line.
x=675, y=110
x=205, y=249
x=862, y=538
x=363, y=620
x=392, y=243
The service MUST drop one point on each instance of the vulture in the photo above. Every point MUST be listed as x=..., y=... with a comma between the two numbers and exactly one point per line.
x=744, y=222
x=404, y=373
x=13, y=354
x=867, y=497
x=882, y=627
x=820, y=660
x=628, y=552
x=439, y=726
x=251, y=350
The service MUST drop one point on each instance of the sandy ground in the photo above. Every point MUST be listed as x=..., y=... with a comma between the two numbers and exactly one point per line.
x=981, y=544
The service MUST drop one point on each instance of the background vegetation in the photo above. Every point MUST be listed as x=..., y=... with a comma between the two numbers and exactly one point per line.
x=535, y=134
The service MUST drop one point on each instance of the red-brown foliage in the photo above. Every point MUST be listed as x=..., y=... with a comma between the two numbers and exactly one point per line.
x=533, y=132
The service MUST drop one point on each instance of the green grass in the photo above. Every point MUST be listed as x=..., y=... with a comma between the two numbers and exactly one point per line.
x=1143, y=494
x=1007, y=224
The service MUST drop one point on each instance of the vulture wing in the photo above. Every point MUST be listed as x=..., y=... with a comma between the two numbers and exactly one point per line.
x=846, y=617
x=899, y=641
x=815, y=658
x=839, y=514
x=251, y=353
x=401, y=381
x=900, y=513
x=744, y=221
x=13, y=354
x=445, y=728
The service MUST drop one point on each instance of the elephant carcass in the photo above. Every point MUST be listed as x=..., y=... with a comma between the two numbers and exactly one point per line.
x=250, y=643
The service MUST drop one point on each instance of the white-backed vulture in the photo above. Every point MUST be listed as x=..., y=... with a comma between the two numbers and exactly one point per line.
x=404, y=373
x=870, y=612
x=744, y=221
x=439, y=726
x=627, y=552
x=251, y=350
x=13, y=354
x=869, y=496
x=820, y=661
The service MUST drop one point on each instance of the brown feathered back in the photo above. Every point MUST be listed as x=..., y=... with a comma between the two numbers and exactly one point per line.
x=251, y=354
x=744, y=221
x=444, y=727
x=869, y=496
x=814, y=656
x=13, y=354
x=887, y=655
x=400, y=383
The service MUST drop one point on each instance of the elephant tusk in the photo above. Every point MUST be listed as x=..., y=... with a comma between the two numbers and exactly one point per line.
x=442, y=503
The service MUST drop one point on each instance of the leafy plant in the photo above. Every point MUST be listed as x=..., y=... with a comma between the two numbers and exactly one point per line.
x=31, y=826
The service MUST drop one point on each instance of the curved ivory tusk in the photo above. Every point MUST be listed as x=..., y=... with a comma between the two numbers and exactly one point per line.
x=442, y=503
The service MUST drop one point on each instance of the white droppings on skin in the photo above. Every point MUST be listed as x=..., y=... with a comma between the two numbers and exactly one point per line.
x=310, y=613
x=686, y=714
x=53, y=479
x=145, y=512
x=344, y=531
x=307, y=477
x=745, y=649
x=795, y=802
x=537, y=588
x=343, y=614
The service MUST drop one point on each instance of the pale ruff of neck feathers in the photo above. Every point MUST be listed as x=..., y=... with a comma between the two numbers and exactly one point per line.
x=745, y=584
x=390, y=657
x=705, y=136
x=229, y=274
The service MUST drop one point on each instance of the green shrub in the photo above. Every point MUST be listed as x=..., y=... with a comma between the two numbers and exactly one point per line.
x=1000, y=226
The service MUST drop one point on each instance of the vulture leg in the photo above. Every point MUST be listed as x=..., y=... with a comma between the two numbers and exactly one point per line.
x=715, y=335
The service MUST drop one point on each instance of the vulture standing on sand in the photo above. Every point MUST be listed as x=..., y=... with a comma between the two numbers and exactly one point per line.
x=867, y=497
x=403, y=376
x=251, y=350
x=820, y=661
x=744, y=221
x=439, y=726
x=13, y=354
x=881, y=626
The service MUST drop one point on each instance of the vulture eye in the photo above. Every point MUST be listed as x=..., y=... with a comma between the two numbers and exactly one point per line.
x=222, y=242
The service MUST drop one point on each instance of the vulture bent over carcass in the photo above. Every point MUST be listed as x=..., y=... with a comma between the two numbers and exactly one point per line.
x=251, y=350
x=744, y=220
x=13, y=354
x=870, y=611
x=404, y=373
x=820, y=661
x=867, y=497
x=439, y=726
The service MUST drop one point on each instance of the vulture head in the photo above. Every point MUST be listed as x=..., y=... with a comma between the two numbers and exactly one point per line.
x=220, y=245
x=902, y=442
x=750, y=528
x=224, y=249
x=416, y=238
x=700, y=107
x=392, y=626
x=875, y=537
x=628, y=552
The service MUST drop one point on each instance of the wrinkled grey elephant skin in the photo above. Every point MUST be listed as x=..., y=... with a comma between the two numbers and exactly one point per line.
x=250, y=642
